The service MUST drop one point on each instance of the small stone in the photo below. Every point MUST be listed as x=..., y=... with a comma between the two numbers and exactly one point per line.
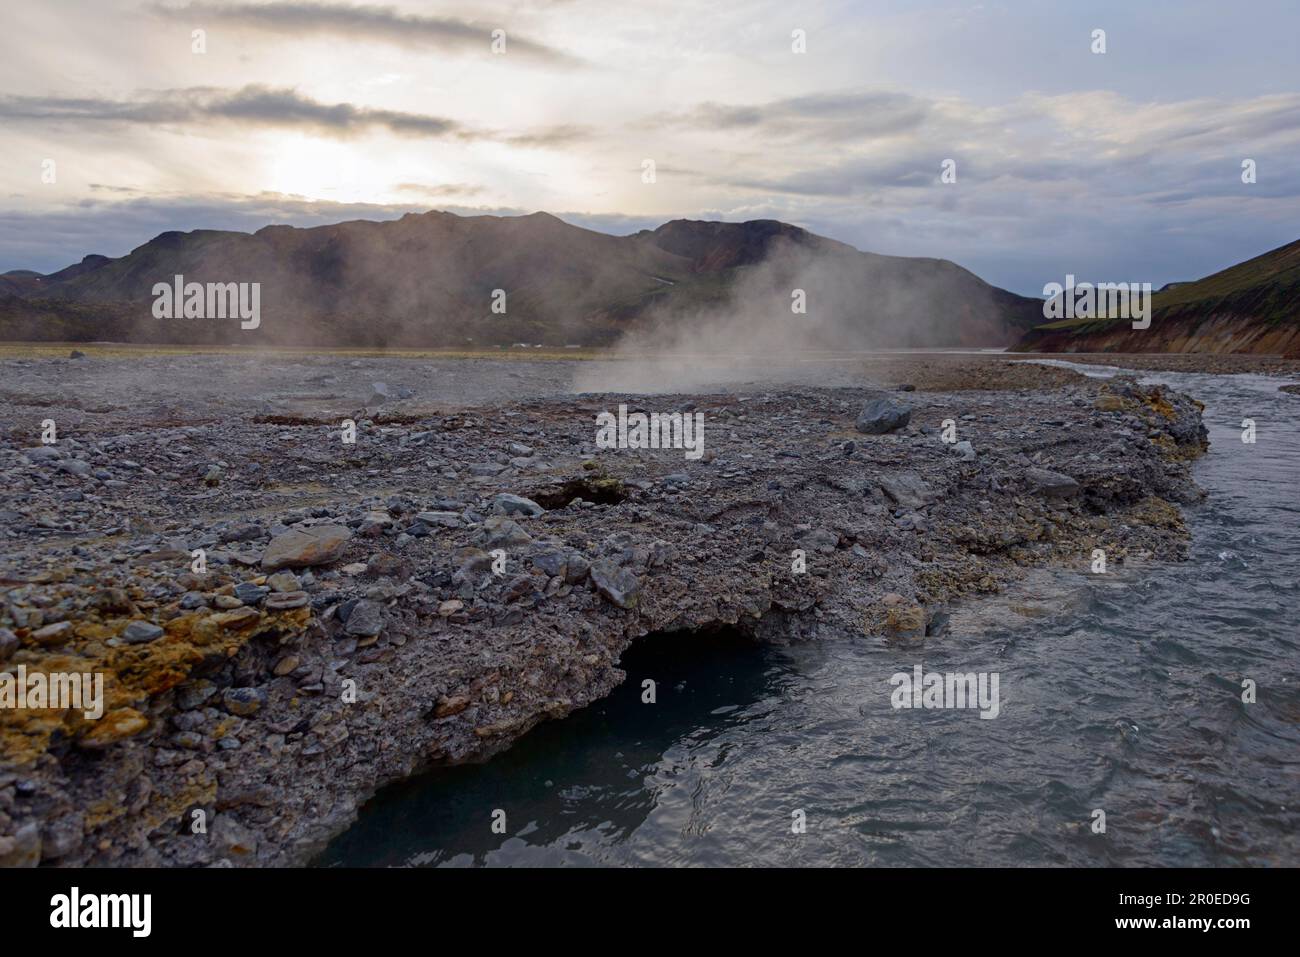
x=244, y=701
x=283, y=582
x=251, y=594
x=501, y=532
x=366, y=619
x=551, y=561
x=906, y=623
x=62, y=836
x=304, y=547
x=907, y=489
x=141, y=632
x=227, y=602
x=447, y=706
x=232, y=837
x=445, y=519
x=113, y=727
x=617, y=585
x=508, y=504
x=1051, y=484
x=194, y=694
x=8, y=644
x=450, y=607
x=194, y=599
x=820, y=540
x=55, y=634
x=23, y=849
x=284, y=601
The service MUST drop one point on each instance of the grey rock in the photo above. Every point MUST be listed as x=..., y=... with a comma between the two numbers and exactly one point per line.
x=194, y=694
x=577, y=569
x=74, y=467
x=883, y=415
x=283, y=582
x=501, y=532
x=820, y=540
x=304, y=547
x=508, y=504
x=285, y=600
x=62, y=836
x=366, y=619
x=617, y=585
x=141, y=632
x=8, y=644
x=965, y=450
x=444, y=519
x=23, y=849
x=552, y=561
x=244, y=701
x=1051, y=484
x=907, y=489
x=251, y=594
x=232, y=837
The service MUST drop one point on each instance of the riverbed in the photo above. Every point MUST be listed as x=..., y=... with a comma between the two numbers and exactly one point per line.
x=1121, y=693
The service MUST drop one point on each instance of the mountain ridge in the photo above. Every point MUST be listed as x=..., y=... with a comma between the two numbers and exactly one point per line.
x=429, y=279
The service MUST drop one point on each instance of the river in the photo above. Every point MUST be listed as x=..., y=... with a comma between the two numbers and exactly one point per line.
x=1124, y=698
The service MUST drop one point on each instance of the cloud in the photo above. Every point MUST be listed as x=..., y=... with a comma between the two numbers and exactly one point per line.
x=440, y=191
x=844, y=117
x=252, y=105
x=361, y=22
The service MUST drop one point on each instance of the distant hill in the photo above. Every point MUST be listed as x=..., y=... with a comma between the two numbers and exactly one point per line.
x=429, y=280
x=1251, y=307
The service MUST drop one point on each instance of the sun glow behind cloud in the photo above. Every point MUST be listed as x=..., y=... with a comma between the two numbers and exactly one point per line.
x=1064, y=159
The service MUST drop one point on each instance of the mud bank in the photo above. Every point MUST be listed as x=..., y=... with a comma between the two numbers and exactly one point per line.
x=353, y=625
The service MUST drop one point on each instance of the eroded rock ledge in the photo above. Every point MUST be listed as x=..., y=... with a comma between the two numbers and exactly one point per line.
x=368, y=566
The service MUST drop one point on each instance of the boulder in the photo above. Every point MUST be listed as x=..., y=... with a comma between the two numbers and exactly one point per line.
x=304, y=547
x=883, y=415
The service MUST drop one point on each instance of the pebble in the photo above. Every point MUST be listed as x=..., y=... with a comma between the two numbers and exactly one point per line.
x=304, y=547
x=251, y=594
x=243, y=701
x=366, y=619
x=141, y=632
x=508, y=504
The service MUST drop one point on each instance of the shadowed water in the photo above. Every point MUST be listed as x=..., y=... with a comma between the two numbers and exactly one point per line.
x=1126, y=699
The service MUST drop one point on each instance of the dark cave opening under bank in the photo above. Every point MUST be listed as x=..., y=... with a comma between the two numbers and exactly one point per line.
x=567, y=775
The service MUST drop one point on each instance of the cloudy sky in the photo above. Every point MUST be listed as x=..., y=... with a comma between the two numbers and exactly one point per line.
x=1122, y=166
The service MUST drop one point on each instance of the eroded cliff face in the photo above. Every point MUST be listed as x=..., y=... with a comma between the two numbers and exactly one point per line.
x=429, y=594
x=1220, y=334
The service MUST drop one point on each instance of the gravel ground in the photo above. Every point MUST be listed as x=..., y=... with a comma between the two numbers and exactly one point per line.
x=474, y=564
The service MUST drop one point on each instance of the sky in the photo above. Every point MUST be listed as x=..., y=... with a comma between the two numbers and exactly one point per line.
x=118, y=121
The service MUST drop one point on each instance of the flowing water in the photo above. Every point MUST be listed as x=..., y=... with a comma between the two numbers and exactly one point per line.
x=1125, y=697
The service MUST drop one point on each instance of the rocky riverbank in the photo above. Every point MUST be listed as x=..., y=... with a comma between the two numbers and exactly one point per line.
x=430, y=592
